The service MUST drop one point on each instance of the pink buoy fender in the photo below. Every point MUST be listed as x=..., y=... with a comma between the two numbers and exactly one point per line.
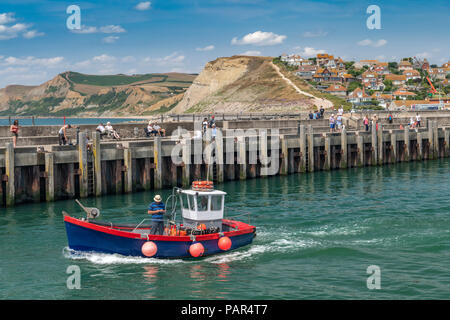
x=149, y=249
x=224, y=243
x=196, y=250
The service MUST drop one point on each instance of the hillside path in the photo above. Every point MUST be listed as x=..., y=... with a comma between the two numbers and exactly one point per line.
x=319, y=102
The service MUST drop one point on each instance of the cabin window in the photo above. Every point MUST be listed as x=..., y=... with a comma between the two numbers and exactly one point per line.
x=188, y=202
x=216, y=203
x=202, y=203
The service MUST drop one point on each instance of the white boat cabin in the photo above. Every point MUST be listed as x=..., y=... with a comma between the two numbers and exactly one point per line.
x=202, y=207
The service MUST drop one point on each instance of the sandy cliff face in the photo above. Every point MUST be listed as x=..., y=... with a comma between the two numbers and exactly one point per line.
x=241, y=84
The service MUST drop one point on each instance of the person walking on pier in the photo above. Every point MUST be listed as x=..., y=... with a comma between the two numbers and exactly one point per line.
x=62, y=134
x=15, y=131
x=418, y=119
x=366, y=123
x=157, y=209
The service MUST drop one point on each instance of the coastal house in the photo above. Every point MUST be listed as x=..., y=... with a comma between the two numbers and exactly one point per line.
x=383, y=98
x=411, y=74
x=293, y=60
x=405, y=65
x=397, y=80
x=337, y=90
x=323, y=58
x=327, y=75
x=306, y=72
x=358, y=96
x=370, y=80
x=438, y=73
x=403, y=94
x=381, y=68
x=365, y=63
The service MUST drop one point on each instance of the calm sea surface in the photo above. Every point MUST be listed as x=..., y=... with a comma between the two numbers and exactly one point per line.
x=316, y=236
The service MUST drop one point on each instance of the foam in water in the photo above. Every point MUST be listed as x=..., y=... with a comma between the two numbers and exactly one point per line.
x=108, y=259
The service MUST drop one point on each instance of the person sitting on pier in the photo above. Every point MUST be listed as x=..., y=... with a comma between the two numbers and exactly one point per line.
x=62, y=134
x=15, y=131
x=112, y=133
x=101, y=129
x=157, y=209
x=150, y=131
x=159, y=130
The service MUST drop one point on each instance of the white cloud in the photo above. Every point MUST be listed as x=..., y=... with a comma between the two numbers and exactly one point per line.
x=309, y=52
x=314, y=34
x=174, y=59
x=260, y=38
x=128, y=59
x=104, y=58
x=7, y=18
x=142, y=6
x=112, y=29
x=423, y=55
x=105, y=29
x=85, y=30
x=110, y=39
x=207, y=48
x=33, y=34
x=376, y=44
x=8, y=31
x=32, y=61
x=251, y=53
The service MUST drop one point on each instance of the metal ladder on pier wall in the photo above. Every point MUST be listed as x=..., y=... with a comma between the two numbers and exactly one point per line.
x=90, y=173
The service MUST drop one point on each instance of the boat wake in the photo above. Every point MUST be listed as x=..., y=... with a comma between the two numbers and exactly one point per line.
x=109, y=259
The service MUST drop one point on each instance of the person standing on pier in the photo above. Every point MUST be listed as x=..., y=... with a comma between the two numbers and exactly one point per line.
x=418, y=119
x=366, y=123
x=157, y=209
x=15, y=131
x=62, y=134
x=332, y=123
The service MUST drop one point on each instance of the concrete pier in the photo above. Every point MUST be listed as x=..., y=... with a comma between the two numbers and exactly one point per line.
x=98, y=167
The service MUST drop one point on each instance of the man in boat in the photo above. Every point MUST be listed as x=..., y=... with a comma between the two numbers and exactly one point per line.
x=157, y=209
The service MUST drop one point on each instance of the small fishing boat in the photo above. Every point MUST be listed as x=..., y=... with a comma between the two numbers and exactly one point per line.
x=203, y=230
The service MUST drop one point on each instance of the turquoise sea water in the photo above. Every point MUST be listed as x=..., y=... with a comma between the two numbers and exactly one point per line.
x=316, y=236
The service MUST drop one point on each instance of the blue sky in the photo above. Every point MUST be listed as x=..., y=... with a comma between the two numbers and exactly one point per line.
x=182, y=35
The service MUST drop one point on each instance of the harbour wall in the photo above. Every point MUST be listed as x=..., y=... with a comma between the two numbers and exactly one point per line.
x=94, y=168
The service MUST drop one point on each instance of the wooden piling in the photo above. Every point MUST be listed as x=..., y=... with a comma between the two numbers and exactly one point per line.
x=406, y=145
x=186, y=147
x=83, y=165
x=284, y=156
x=9, y=172
x=344, y=149
x=242, y=158
x=263, y=154
x=302, y=162
x=158, y=163
x=419, y=146
x=393, y=157
x=49, y=177
x=360, y=145
x=431, y=145
x=374, y=153
x=97, y=165
x=128, y=170
x=327, y=164
x=310, y=139
x=380, y=144
x=218, y=141
x=435, y=139
x=446, y=142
